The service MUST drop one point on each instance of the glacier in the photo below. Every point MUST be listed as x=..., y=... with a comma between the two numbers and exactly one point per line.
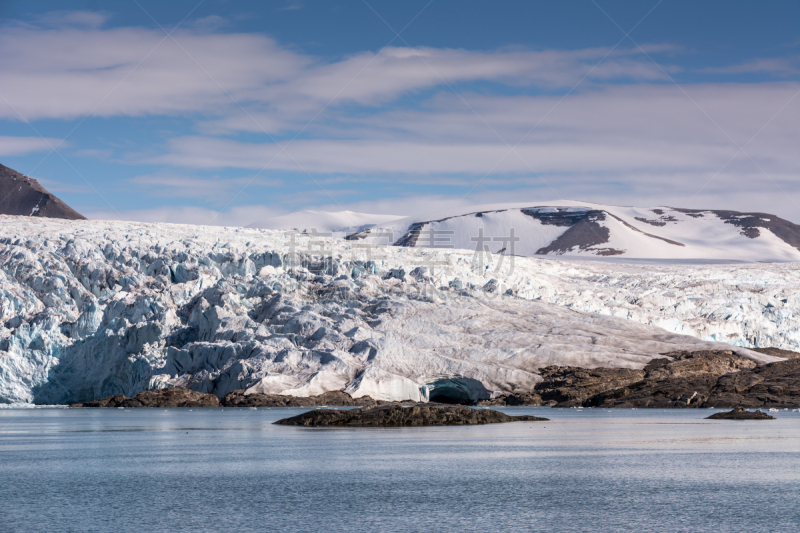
x=94, y=308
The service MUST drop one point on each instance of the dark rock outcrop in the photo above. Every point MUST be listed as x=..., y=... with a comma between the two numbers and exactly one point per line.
x=657, y=394
x=567, y=386
x=741, y=414
x=679, y=379
x=419, y=414
x=513, y=399
x=772, y=385
x=708, y=379
x=172, y=397
x=777, y=352
x=21, y=195
x=177, y=397
x=238, y=398
x=684, y=379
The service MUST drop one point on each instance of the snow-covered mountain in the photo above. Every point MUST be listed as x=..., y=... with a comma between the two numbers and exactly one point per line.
x=580, y=229
x=94, y=308
x=21, y=195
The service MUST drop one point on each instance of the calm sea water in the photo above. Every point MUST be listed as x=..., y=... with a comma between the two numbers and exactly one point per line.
x=232, y=470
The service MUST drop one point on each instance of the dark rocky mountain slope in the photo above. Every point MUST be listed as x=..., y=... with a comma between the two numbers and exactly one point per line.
x=23, y=196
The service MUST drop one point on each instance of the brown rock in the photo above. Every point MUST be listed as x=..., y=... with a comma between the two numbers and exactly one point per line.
x=777, y=352
x=772, y=385
x=111, y=401
x=171, y=397
x=238, y=398
x=696, y=364
x=568, y=386
x=419, y=414
x=513, y=399
x=741, y=414
x=708, y=379
x=675, y=392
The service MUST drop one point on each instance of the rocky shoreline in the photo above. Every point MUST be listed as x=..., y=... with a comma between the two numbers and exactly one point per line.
x=171, y=397
x=414, y=415
x=700, y=379
x=177, y=397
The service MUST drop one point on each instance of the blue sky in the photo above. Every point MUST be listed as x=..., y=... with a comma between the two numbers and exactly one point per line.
x=229, y=112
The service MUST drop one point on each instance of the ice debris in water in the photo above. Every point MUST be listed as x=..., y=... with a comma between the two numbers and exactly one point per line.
x=92, y=308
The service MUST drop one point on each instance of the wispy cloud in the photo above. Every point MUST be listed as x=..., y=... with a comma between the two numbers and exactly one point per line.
x=10, y=146
x=292, y=5
x=61, y=187
x=774, y=66
x=209, y=23
x=614, y=130
x=64, y=71
x=237, y=216
x=591, y=123
x=749, y=194
x=214, y=190
x=95, y=153
x=71, y=19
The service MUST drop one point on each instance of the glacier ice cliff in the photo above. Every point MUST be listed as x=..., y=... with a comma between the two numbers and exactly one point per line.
x=92, y=308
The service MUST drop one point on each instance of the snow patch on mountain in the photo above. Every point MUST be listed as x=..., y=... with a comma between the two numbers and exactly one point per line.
x=582, y=229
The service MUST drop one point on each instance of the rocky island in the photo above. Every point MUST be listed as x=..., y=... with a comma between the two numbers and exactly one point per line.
x=740, y=414
x=418, y=414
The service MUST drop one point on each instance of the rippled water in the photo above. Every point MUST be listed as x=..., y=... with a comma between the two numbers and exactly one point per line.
x=226, y=469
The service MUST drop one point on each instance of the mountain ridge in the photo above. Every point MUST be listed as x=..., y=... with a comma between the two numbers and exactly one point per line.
x=583, y=229
x=24, y=196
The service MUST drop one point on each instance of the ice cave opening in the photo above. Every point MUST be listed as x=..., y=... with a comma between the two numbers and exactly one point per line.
x=458, y=390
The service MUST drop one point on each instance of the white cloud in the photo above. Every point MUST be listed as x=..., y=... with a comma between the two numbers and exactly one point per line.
x=10, y=146
x=750, y=192
x=65, y=71
x=760, y=196
x=61, y=187
x=95, y=153
x=209, y=23
x=237, y=216
x=641, y=141
x=774, y=66
x=77, y=19
x=211, y=189
x=654, y=129
x=401, y=156
x=292, y=5
x=612, y=112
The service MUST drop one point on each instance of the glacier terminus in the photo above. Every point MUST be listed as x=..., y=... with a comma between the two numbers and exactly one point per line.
x=94, y=308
